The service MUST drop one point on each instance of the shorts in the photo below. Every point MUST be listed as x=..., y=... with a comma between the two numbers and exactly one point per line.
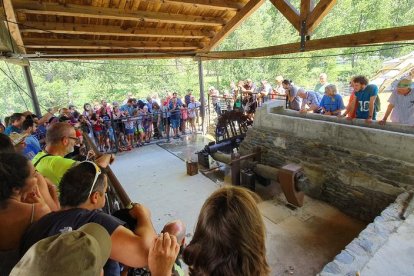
x=129, y=131
x=175, y=123
x=167, y=121
x=97, y=133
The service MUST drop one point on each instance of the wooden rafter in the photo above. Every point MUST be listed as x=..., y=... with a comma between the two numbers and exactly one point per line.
x=211, y=4
x=247, y=10
x=318, y=13
x=84, y=29
x=288, y=11
x=13, y=28
x=108, y=44
x=405, y=33
x=306, y=7
x=33, y=7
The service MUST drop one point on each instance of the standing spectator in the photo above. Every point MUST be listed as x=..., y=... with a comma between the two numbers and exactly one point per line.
x=128, y=108
x=401, y=104
x=184, y=117
x=323, y=82
x=156, y=119
x=192, y=108
x=128, y=97
x=149, y=104
x=214, y=95
x=32, y=144
x=332, y=103
x=293, y=100
x=147, y=123
x=108, y=109
x=166, y=117
x=187, y=97
x=278, y=89
x=311, y=99
x=97, y=125
x=175, y=108
x=15, y=123
x=265, y=90
x=364, y=101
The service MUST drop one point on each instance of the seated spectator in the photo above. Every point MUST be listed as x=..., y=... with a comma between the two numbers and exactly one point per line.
x=401, y=104
x=21, y=203
x=82, y=195
x=60, y=141
x=293, y=100
x=365, y=99
x=15, y=123
x=311, y=99
x=332, y=103
x=323, y=82
x=32, y=144
x=66, y=253
x=229, y=238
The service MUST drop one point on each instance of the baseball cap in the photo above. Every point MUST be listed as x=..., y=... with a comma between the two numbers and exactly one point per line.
x=81, y=252
x=17, y=138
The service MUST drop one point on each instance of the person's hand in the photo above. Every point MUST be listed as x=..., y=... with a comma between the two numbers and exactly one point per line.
x=328, y=113
x=139, y=210
x=34, y=196
x=162, y=255
x=382, y=122
x=303, y=111
x=368, y=121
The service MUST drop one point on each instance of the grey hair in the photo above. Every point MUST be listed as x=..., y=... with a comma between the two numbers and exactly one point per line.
x=56, y=131
x=331, y=87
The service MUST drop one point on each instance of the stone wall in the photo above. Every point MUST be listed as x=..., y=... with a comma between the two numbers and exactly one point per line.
x=357, y=169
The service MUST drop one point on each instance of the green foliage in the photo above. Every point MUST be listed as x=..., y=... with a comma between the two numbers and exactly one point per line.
x=64, y=82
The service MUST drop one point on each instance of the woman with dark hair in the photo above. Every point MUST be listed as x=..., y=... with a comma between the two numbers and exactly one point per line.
x=21, y=203
x=229, y=238
x=6, y=144
x=293, y=101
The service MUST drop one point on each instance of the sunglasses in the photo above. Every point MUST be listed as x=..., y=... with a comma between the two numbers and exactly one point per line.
x=97, y=174
x=404, y=85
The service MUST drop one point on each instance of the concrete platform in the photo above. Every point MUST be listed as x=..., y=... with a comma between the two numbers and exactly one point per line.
x=299, y=242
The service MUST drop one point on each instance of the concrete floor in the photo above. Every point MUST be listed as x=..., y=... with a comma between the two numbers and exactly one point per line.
x=299, y=242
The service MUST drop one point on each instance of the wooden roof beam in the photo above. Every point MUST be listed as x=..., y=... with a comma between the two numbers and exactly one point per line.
x=84, y=29
x=288, y=11
x=108, y=44
x=34, y=7
x=318, y=13
x=245, y=12
x=405, y=33
x=13, y=28
x=211, y=4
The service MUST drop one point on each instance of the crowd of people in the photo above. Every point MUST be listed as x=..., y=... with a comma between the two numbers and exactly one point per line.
x=52, y=196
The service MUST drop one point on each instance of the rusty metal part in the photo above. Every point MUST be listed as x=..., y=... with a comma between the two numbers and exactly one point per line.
x=232, y=124
x=288, y=176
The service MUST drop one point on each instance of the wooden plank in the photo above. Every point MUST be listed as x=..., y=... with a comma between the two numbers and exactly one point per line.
x=318, y=13
x=404, y=33
x=288, y=11
x=13, y=28
x=111, y=56
x=211, y=4
x=241, y=15
x=108, y=44
x=32, y=7
x=5, y=43
x=68, y=28
x=306, y=7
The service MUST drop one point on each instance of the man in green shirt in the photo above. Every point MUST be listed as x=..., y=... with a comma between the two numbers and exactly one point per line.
x=323, y=82
x=60, y=141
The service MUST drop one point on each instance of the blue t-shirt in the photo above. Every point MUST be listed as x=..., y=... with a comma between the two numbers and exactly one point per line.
x=363, y=96
x=10, y=129
x=332, y=104
x=32, y=147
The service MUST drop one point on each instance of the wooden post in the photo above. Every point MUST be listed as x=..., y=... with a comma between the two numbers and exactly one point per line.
x=202, y=98
x=235, y=169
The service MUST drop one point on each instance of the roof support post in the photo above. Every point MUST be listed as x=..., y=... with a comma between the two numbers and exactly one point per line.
x=30, y=85
x=202, y=97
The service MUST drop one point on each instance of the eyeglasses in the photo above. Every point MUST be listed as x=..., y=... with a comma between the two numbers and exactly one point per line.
x=404, y=85
x=97, y=174
x=76, y=139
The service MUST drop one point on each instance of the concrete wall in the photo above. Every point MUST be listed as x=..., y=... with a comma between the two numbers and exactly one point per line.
x=360, y=170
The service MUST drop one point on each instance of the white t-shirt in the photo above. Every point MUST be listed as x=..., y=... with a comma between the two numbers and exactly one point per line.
x=192, y=109
x=403, y=111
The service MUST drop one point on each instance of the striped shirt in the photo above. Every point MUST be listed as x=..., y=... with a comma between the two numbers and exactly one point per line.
x=403, y=111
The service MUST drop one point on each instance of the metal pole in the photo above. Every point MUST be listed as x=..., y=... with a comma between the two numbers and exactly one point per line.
x=30, y=85
x=202, y=98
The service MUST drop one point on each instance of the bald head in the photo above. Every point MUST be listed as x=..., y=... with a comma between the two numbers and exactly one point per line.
x=176, y=228
x=58, y=130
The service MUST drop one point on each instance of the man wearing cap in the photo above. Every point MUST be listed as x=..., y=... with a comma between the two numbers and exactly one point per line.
x=82, y=195
x=401, y=104
x=60, y=141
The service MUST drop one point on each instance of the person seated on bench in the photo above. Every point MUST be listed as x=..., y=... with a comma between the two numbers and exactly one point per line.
x=229, y=238
x=82, y=195
x=60, y=141
x=21, y=204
